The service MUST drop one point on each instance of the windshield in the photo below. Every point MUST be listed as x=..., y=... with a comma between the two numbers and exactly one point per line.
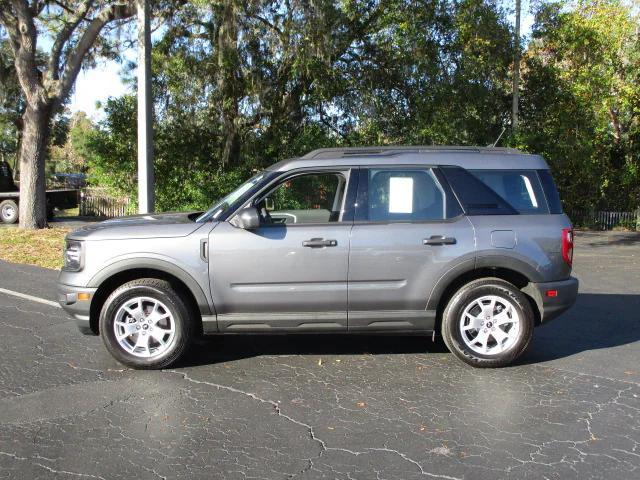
x=225, y=202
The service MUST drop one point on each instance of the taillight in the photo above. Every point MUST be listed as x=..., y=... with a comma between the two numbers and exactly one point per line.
x=567, y=245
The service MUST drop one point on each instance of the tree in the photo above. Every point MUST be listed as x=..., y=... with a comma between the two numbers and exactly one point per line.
x=69, y=153
x=581, y=101
x=239, y=85
x=75, y=27
x=186, y=176
x=11, y=105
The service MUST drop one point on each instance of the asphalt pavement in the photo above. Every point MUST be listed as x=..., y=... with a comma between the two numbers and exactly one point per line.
x=326, y=406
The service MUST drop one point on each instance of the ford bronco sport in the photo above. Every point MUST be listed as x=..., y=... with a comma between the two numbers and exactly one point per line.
x=468, y=242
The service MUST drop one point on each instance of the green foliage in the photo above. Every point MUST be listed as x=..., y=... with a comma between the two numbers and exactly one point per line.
x=68, y=149
x=581, y=101
x=240, y=85
x=186, y=178
x=112, y=148
x=11, y=103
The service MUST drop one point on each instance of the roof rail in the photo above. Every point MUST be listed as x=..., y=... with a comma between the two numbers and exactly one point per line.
x=388, y=151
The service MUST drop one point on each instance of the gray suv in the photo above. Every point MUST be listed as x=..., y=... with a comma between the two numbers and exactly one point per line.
x=471, y=243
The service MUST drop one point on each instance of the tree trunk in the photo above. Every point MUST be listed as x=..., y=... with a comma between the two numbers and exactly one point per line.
x=231, y=148
x=33, y=149
x=229, y=80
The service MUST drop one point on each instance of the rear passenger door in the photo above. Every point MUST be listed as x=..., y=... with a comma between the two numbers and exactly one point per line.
x=409, y=230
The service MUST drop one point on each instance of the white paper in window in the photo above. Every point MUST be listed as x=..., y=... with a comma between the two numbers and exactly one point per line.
x=400, y=195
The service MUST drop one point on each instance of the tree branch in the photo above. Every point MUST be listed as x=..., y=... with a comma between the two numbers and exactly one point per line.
x=270, y=26
x=35, y=7
x=10, y=24
x=63, y=37
x=87, y=40
x=63, y=6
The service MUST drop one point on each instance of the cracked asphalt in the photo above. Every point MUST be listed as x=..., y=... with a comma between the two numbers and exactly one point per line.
x=326, y=406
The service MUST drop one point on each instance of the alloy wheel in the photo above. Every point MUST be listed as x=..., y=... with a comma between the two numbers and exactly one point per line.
x=490, y=325
x=144, y=327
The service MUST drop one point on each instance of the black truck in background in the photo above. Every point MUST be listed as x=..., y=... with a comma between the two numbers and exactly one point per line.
x=10, y=197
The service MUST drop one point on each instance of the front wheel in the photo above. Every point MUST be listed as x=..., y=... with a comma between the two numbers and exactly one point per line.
x=145, y=324
x=488, y=323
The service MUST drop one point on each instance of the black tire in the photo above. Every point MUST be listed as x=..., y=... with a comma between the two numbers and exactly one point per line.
x=452, y=330
x=8, y=212
x=155, y=289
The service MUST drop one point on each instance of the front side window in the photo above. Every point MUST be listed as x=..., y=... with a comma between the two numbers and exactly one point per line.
x=222, y=205
x=520, y=188
x=401, y=195
x=304, y=199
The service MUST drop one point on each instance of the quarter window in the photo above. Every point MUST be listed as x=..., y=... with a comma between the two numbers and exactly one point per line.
x=520, y=188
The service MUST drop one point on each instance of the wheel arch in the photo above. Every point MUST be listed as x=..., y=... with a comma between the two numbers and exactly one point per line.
x=510, y=271
x=111, y=278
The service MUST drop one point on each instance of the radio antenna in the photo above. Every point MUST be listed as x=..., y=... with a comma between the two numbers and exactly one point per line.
x=504, y=129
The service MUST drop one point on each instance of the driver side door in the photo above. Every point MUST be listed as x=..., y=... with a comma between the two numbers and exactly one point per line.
x=291, y=272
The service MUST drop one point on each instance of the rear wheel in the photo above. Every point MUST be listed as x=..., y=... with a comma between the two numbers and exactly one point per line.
x=488, y=323
x=8, y=211
x=145, y=324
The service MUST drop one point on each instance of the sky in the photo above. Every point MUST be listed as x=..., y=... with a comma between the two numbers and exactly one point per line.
x=98, y=84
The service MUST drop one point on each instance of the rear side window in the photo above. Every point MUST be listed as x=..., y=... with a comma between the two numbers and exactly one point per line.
x=550, y=191
x=520, y=188
x=474, y=195
x=401, y=195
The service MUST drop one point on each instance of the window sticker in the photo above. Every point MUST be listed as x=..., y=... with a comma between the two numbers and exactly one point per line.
x=400, y=195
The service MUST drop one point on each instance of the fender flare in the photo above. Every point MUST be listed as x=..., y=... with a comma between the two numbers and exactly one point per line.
x=483, y=261
x=512, y=262
x=204, y=305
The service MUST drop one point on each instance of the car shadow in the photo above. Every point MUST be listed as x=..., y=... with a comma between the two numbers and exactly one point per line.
x=607, y=239
x=596, y=321
x=227, y=348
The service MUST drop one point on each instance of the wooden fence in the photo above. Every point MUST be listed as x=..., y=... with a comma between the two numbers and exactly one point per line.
x=603, y=220
x=97, y=203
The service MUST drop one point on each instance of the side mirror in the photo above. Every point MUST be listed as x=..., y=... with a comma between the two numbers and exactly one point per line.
x=247, y=218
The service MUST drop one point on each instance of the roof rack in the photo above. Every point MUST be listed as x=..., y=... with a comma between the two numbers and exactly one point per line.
x=388, y=151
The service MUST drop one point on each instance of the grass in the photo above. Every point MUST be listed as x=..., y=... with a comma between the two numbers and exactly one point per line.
x=33, y=247
x=69, y=212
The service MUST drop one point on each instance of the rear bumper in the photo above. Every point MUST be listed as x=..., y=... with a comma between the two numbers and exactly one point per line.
x=551, y=304
x=78, y=307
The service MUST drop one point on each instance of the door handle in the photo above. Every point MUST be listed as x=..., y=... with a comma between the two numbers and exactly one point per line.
x=204, y=250
x=439, y=240
x=319, y=243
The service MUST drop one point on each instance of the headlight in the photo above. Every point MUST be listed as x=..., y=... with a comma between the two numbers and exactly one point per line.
x=73, y=256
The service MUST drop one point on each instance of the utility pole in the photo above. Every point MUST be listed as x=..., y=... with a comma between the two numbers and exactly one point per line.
x=145, y=112
x=516, y=71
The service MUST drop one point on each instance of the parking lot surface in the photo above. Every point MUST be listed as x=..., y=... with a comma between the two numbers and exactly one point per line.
x=325, y=406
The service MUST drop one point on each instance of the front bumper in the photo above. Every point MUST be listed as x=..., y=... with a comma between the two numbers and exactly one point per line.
x=76, y=301
x=553, y=298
